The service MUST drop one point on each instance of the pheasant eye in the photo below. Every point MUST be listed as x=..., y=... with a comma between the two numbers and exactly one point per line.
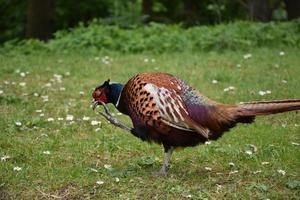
x=96, y=93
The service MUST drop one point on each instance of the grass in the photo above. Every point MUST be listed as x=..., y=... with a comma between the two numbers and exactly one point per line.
x=80, y=156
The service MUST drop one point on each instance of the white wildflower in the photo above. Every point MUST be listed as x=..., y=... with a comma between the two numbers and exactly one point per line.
x=117, y=179
x=265, y=163
x=17, y=168
x=208, y=168
x=46, y=152
x=48, y=85
x=257, y=172
x=106, y=60
x=297, y=125
x=14, y=83
x=214, y=81
x=282, y=172
x=189, y=196
x=219, y=187
x=99, y=182
x=18, y=71
x=4, y=158
x=253, y=147
x=69, y=117
x=231, y=164
x=146, y=60
x=262, y=93
x=230, y=88
x=97, y=129
x=18, y=123
x=207, y=142
x=281, y=53
x=94, y=170
x=50, y=119
x=6, y=82
x=22, y=84
x=118, y=113
x=284, y=81
x=35, y=94
x=81, y=92
x=238, y=65
x=57, y=77
x=247, y=56
x=45, y=98
x=22, y=74
x=1, y=92
x=85, y=118
x=42, y=115
x=62, y=89
x=295, y=143
x=233, y=172
x=106, y=166
x=248, y=152
x=95, y=123
x=60, y=118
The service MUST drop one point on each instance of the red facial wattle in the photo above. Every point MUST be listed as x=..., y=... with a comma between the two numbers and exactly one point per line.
x=100, y=96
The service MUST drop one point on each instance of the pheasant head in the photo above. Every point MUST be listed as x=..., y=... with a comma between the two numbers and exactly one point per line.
x=106, y=93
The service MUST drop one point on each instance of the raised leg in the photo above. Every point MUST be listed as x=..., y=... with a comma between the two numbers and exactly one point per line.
x=108, y=115
x=165, y=167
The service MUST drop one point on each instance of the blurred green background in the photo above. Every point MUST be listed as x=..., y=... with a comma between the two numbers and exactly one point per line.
x=40, y=19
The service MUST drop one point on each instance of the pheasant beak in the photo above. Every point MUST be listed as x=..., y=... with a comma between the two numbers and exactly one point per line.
x=99, y=97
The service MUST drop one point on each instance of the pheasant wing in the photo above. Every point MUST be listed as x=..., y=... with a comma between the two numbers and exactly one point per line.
x=168, y=107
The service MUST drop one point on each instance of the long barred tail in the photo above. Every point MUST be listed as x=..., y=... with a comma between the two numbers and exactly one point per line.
x=252, y=109
x=224, y=117
x=227, y=116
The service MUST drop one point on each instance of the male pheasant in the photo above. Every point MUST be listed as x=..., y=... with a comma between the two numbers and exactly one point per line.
x=166, y=110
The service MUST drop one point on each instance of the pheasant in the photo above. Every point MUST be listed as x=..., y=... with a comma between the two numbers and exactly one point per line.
x=166, y=110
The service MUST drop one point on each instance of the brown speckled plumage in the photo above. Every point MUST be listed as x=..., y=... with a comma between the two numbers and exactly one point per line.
x=166, y=110
x=157, y=113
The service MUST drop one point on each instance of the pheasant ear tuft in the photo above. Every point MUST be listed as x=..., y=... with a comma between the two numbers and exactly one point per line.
x=106, y=83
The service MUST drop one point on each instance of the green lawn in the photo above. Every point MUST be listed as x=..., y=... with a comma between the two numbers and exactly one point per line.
x=65, y=157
